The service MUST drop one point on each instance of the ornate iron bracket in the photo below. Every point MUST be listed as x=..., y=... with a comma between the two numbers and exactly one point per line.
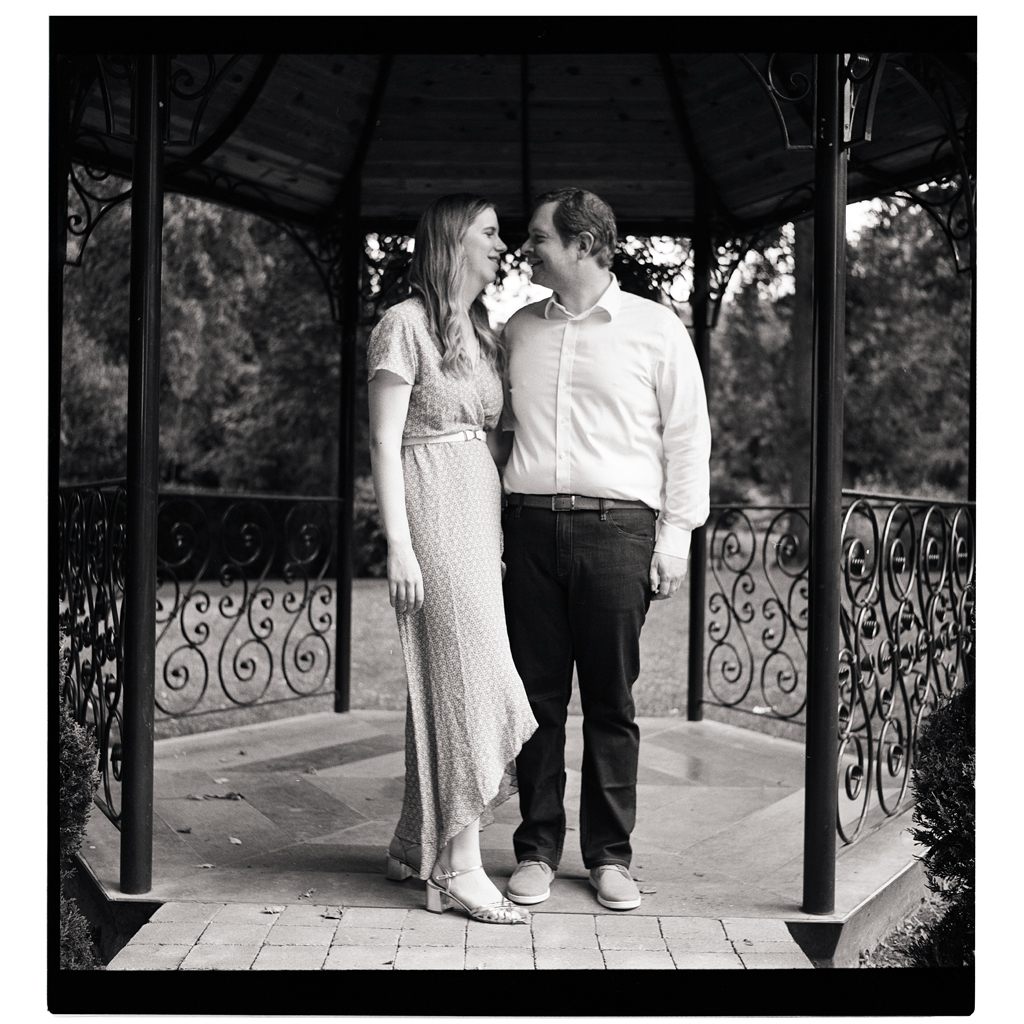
x=801, y=83
x=113, y=77
x=862, y=71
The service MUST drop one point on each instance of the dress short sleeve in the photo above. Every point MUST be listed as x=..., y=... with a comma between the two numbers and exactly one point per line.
x=392, y=345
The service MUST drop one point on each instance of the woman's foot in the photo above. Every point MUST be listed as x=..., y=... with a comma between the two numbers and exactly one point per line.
x=442, y=894
x=472, y=889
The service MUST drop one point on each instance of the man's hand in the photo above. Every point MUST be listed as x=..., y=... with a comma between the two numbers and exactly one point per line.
x=667, y=575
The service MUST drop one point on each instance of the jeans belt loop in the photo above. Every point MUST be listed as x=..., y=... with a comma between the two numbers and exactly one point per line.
x=604, y=510
x=519, y=507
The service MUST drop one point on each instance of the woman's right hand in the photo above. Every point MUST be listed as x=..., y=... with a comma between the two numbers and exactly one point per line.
x=405, y=581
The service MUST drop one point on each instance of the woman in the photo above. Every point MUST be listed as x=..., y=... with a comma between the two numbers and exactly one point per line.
x=435, y=394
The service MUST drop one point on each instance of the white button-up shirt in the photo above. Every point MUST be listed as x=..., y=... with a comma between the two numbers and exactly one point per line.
x=610, y=404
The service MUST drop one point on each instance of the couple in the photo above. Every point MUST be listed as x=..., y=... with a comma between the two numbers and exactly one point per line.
x=603, y=437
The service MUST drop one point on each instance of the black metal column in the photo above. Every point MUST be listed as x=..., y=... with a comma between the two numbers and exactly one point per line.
x=60, y=100
x=351, y=267
x=821, y=793
x=972, y=451
x=142, y=477
x=700, y=306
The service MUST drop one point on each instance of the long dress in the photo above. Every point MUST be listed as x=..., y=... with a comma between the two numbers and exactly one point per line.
x=467, y=714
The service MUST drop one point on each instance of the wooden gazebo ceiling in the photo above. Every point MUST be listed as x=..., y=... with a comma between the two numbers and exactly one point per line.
x=284, y=136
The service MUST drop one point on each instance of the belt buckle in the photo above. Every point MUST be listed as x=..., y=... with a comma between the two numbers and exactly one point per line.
x=563, y=502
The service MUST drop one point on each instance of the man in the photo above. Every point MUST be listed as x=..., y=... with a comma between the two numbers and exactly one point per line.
x=607, y=477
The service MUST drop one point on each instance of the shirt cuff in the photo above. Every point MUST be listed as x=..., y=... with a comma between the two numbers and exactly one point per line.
x=673, y=540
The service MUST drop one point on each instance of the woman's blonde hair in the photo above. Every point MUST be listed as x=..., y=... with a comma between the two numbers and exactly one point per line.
x=437, y=273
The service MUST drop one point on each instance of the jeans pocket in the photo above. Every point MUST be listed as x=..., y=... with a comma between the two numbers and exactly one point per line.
x=635, y=523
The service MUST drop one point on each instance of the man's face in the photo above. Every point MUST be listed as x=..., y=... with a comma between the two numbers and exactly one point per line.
x=552, y=263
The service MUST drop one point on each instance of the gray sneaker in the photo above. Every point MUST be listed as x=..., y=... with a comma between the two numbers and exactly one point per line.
x=615, y=887
x=530, y=882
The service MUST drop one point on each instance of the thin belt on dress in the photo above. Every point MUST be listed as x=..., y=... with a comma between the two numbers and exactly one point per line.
x=462, y=435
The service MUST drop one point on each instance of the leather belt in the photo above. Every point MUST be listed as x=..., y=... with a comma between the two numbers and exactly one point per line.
x=572, y=502
x=462, y=435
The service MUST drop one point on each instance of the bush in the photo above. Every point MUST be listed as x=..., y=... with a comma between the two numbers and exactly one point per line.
x=944, y=767
x=78, y=781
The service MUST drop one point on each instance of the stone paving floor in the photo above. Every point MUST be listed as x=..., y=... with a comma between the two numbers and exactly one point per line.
x=252, y=824
x=239, y=937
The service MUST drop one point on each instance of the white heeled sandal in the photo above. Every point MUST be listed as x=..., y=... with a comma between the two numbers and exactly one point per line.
x=441, y=899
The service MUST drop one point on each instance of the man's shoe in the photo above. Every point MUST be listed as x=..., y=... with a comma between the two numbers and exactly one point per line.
x=615, y=887
x=530, y=882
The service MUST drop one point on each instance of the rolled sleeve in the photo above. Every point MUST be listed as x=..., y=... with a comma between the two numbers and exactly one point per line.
x=686, y=443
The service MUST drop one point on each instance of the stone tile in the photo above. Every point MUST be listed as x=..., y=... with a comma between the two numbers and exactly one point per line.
x=552, y=959
x=787, y=945
x=564, y=931
x=304, y=913
x=638, y=960
x=300, y=935
x=423, y=928
x=775, y=961
x=299, y=809
x=141, y=957
x=482, y=935
x=179, y=913
x=290, y=958
x=170, y=933
x=698, y=944
x=430, y=958
x=360, y=958
x=704, y=928
x=738, y=928
x=214, y=957
x=235, y=934
x=372, y=917
x=608, y=926
x=333, y=756
x=248, y=913
x=686, y=961
x=620, y=942
x=497, y=959
x=366, y=937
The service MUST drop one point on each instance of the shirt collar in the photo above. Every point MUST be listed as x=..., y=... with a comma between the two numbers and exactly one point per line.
x=610, y=302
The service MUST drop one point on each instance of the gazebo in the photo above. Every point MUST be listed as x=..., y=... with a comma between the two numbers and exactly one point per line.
x=716, y=147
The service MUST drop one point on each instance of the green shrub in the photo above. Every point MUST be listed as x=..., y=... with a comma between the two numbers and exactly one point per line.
x=944, y=766
x=78, y=781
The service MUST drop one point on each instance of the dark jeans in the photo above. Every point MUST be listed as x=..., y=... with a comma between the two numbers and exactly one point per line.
x=577, y=590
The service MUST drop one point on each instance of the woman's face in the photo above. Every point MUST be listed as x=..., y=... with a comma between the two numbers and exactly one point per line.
x=483, y=250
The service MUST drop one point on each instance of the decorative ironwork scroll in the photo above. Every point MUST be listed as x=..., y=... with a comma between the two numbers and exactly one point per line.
x=245, y=608
x=758, y=623
x=193, y=82
x=91, y=529
x=789, y=78
x=907, y=621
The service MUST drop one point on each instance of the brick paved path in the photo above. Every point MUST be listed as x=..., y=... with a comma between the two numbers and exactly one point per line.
x=246, y=936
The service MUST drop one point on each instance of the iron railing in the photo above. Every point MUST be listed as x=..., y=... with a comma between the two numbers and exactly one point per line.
x=246, y=600
x=246, y=605
x=245, y=608
x=907, y=622
x=91, y=531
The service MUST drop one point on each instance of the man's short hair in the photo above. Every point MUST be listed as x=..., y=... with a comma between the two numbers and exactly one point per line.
x=577, y=210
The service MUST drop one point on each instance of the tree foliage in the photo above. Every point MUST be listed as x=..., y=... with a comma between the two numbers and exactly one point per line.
x=250, y=357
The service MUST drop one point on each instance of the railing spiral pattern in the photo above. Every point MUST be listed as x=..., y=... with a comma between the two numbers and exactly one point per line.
x=907, y=621
x=245, y=606
x=91, y=538
x=243, y=599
